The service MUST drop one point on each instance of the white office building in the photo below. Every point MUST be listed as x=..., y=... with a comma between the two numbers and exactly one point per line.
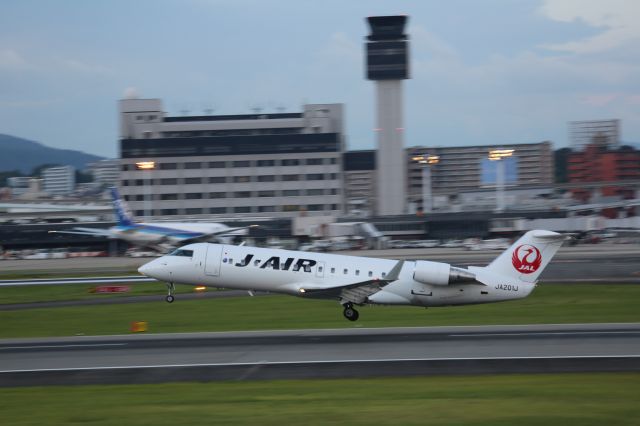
x=19, y=185
x=105, y=172
x=282, y=164
x=59, y=180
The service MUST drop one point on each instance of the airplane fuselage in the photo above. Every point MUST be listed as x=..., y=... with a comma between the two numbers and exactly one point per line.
x=295, y=273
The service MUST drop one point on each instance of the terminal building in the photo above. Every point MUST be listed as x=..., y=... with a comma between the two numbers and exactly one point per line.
x=459, y=170
x=282, y=164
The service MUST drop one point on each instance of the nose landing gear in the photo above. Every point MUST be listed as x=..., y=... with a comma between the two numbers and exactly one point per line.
x=350, y=312
x=170, y=288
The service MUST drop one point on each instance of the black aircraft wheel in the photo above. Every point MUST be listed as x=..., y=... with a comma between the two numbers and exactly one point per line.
x=351, y=314
x=169, y=299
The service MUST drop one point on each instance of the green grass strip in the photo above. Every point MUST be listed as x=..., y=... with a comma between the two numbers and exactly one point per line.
x=570, y=303
x=562, y=399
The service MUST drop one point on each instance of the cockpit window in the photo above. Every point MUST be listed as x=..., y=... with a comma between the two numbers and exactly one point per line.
x=181, y=252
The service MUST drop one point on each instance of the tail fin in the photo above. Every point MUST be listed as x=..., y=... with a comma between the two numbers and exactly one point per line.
x=123, y=214
x=527, y=257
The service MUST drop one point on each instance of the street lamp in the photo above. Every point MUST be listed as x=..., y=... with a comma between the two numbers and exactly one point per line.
x=147, y=166
x=499, y=155
x=426, y=161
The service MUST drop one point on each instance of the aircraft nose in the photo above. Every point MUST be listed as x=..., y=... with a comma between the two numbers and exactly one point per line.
x=150, y=269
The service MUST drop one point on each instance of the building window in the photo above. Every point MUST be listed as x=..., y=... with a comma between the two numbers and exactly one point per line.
x=242, y=179
x=140, y=197
x=334, y=176
x=192, y=180
x=243, y=163
x=168, y=197
x=266, y=193
x=125, y=167
x=333, y=270
x=168, y=166
x=290, y=162
x=345, y=271
x=242, y=194
x=370, y=273
x=125, y=183
x=169, y=212
x=169, y=181
x=217, y=179
x=266, y=163
x=139, y=182
x=311, y=192
x=290, y=192
x=266, y=209
x=217, y=195
x=217, y=210
x=290, y=178
x=314, y=161
x=315, y=207
x=334, y=191
x=266, y=178
x=334, y=207
x=333, y=160
x=245, y=209
x=315, y=176
x=216, y=164
x=193, y=196
x=290, y=208
x=193, y=211
x=193, y=165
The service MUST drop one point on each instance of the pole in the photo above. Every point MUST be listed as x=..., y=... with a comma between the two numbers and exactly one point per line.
x=500, y=185
x=427, y=202
x=147, y=198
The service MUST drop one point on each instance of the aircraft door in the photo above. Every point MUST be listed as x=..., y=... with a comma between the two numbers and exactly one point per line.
x=214, y=259
x=320, y=270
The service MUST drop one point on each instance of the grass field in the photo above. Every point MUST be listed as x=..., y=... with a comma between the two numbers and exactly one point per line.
x=570, y=303
x=560, y=399
x=52, y=293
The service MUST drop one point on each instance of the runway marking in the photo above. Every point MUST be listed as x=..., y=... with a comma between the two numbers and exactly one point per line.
x=259, y=363
x=545, y=333
x=87, y=345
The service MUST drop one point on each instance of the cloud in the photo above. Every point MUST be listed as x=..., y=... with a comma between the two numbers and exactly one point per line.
x=10, y=59
x=617, y=18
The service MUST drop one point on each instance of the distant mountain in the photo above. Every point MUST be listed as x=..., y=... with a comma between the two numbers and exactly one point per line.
x=25, y=155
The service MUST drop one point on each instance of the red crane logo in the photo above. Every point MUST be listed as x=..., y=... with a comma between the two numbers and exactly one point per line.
x=526, y=259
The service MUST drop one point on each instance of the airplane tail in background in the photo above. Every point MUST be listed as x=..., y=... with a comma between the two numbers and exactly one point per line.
x=527, y=257
x=123, y=214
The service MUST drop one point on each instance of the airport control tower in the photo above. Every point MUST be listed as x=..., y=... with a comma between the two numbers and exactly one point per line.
x=388, y=65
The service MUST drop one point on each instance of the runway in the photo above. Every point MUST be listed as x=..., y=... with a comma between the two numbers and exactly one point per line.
x=320, y=353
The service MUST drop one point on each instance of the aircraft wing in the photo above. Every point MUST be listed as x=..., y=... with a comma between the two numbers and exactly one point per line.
x=206, y=237
x=354, y=292
x=94, y=232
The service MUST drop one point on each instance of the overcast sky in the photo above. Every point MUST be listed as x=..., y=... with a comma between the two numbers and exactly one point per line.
x=483, y=72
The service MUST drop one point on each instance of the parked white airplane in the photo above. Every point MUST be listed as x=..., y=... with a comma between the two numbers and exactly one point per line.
x=359, y=280
x=157, y=235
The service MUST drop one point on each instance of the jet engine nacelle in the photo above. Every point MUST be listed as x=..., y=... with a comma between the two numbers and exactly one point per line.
x=437, y=273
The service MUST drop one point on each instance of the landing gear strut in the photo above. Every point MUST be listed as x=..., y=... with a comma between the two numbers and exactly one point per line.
x=350, y=313
x=171, y=288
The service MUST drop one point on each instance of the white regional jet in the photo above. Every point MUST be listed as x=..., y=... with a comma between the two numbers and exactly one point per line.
x=159, y=236
x=356, y=280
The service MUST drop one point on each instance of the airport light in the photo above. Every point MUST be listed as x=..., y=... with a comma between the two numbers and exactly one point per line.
x=426, y=161
x=499, y=155
x=147, y=166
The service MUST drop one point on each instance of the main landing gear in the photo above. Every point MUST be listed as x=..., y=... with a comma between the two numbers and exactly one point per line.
x=350, y=312
x=170, y=288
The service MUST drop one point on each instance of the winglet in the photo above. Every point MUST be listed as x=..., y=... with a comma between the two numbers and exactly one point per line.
x=394, y=272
